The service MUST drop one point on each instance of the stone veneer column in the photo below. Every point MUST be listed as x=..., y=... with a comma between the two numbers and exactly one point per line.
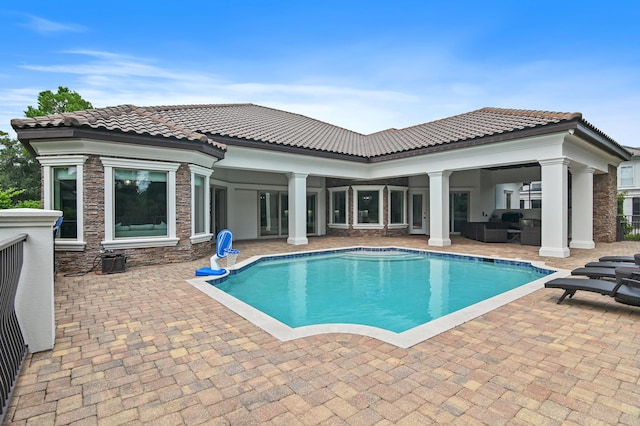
x=439, y=208
x=555, y=190
x=582, y=207
x=297, y=209
x=605, y=208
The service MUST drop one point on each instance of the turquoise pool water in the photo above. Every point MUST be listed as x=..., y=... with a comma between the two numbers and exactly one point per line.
x=394, y=290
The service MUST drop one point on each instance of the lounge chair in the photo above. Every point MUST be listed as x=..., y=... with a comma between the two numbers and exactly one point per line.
x=624, y=290
x=611, y=265
x=627, y=259
x=604, y=273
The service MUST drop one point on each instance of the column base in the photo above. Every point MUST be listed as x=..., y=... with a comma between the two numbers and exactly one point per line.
x=582, y=244
x=554, y=252
x=297, y=241
x=439, y=242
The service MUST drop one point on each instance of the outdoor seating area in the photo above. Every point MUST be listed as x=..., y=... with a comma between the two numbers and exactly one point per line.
x=127, y=351
x=508, y=227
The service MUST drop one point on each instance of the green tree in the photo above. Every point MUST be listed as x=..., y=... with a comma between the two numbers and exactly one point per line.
x=19, y=171
x=55, y=103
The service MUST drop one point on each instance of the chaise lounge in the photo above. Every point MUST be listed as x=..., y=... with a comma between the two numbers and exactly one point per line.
x=626, y=288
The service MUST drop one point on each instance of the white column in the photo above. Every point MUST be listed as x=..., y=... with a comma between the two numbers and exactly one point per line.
x=297, y=209
x=34, y=297
x=554, y=207
x=439, y=209
x=582, y=208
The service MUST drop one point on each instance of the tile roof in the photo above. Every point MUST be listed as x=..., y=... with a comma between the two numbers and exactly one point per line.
x=249, y=122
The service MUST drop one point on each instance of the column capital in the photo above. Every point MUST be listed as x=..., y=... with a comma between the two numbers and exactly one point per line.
x=580, y=168
x=443, y=173
x=564, y=161
x=296, y=175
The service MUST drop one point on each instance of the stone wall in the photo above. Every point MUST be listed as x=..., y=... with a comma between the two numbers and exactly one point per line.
x=69, y=261
x=605, y=207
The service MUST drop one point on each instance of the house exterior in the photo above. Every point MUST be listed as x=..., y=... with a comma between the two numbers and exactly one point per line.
x=629, y=185
x=159, y=182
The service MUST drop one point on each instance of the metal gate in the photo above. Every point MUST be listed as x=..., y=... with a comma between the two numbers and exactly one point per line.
x=12, y=347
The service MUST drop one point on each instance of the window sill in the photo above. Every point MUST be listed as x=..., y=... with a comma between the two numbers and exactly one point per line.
x=368, y=226
x=200, y=238
x=397, y=225
x=66, y=245
x=140, y=243
x=339, y=225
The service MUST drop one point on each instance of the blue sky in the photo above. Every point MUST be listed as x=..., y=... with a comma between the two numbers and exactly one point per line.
x=363, y=65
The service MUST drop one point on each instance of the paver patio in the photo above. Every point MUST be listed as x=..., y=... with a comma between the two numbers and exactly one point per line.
x=145, y=347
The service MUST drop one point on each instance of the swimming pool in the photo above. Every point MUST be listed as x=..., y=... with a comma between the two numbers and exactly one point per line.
x=390, y=293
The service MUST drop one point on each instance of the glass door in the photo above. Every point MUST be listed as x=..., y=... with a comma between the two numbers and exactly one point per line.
x=459, y=210
x=311, y=214
x=219, y=209
x=417, y=211
x=274, y=214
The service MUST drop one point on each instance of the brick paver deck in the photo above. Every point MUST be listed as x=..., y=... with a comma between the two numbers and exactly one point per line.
x=144, y=347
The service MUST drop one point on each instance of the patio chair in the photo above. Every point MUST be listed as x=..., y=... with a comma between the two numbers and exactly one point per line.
x=627, y=259
x=604, y=273
x=625, y=290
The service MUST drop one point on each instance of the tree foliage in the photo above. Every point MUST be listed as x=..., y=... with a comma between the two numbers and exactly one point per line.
x=20, y=172
x=64, y=100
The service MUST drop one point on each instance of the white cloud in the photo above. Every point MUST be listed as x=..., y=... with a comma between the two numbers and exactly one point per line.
x=45, y=26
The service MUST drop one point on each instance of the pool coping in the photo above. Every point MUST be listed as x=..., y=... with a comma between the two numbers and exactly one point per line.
x=404, y=339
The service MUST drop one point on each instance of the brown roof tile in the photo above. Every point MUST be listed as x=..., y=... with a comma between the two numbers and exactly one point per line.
x=271, y=126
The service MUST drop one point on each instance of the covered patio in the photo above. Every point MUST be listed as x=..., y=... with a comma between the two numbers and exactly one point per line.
x=144, y=347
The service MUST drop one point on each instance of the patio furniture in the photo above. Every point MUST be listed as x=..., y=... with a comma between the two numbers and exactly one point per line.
x=487, y=232
x=602, y=273
x=632, y=259
x=625, y=290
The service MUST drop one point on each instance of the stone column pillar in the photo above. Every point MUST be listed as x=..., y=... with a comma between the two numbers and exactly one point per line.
x=297, y=209
x=34, y=297
x=439, y=208
x=582, y=207
x=554, y=207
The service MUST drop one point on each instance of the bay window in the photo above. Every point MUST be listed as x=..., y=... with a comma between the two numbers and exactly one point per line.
x=367, y=206
x=397, y=206
x=200, y=204
x=63, y=190
x=140, y=203
x=338, y=207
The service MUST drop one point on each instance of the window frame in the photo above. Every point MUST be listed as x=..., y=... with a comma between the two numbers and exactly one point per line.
x=333, y=224
x=110, y=242
x=631, y=177
x=405, y=221
x=49, y=164
x=206, y=173
x=368, y=188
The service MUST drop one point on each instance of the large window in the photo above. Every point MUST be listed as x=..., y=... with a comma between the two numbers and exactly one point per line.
x=274, y=214
x=626, y=176
x=63, y=190
x=338, y=207
x=397, y=205
x=367, y=209
x=140, y=203
x=200, y=205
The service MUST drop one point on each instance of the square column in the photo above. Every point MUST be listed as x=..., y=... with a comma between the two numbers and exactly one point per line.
x=297, y=209
x=555, y=191
x=582, y=207
x=439, y=209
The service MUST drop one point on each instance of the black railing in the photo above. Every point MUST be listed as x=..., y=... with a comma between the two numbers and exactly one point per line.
x=628, y=228
x=12, y=347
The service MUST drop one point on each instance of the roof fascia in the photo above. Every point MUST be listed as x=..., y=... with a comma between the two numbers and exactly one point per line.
x=26, y=135
x=585, y=132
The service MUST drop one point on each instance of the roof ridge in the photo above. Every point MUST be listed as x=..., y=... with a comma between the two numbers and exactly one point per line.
x=191, y=106
x=534, y=112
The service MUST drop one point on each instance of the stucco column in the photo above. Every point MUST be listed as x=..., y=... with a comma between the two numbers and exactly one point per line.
x=34, y=296
x=297, y=209
x=555, y=191
x=582, y=208
x=439, y=209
